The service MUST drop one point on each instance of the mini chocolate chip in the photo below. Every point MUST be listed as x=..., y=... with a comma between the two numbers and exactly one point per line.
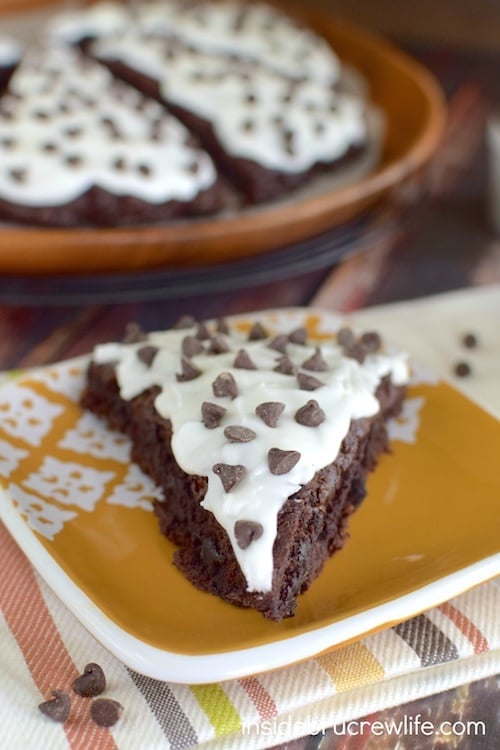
x=257, y=332
x=185, y=321
x=219, y=344
x=270, y=412
x=288, y=141
x=279, y=343
x=225, y=385
x=286, y=366
x=191, y=346
x=243, y=361
x=462, y=369
x=193, y=167
x=310, y=415
x=238, y=434
x=319, y=127
x=144, y=169
x=371, y=341
x=105, y=712
x=58, y=707
x=298, y=336
x=356, y=351
x=222, y=326
x=147, y=354
x=18, y=175
x=316, y=363
x=119, y=164
x=49, y=147
x=73, y=160
x=203, y=332
x=250, y=98
x=248, y=125
x=73, y=132
x=470, y=340
x=281, y=462
x=229, y=475
x=92, y=682
x=247, y=532
x=211, y=414
x=308, y=382
x=40, y=114
x=134, y=334
x=7, y=142
x=189, y=371
x=346, y=337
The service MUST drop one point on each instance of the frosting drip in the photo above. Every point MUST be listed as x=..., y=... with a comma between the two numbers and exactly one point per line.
x=255, y=431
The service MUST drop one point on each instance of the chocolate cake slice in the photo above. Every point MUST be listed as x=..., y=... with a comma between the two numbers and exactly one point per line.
x=261, y=441
x=78, y=147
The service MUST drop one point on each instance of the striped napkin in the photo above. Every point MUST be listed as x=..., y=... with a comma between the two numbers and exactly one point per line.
x=43, y=648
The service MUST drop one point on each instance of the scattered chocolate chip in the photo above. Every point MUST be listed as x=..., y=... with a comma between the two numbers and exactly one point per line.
x=203, y=332
x=250, y=98
x=229, y=475
x=225, y=385
x=73, y=160
x=319, y=127
x=222, y=326
x=371, y=341
x=119, y=164
x=144, y=169
x=310, y=415
x=211, y=414
x=308, y=382
x=286, y=366
x=357, y=352
x=470, y=340
x=315, y=363
x=49, y=147
x=248, y=125
x=238, y=434
x=147, y=354
x=191, y=346
x=7, y=142
x=247, y=532
x=134, y=334
x=58, y=707
x=219, y=344
x=185, y=321
x=243, y=361
x=193, y=167
x=73, y=132
x=279, y=343
x=92, y=682
x=40, y=114
x=257, y=332
x=270, y=412
x=288, y=141
x=298, y=336
x=462, y=369
x=18, y=175
x=281, y=462
x=346, y=337
x=189, y=371
x=105, y=712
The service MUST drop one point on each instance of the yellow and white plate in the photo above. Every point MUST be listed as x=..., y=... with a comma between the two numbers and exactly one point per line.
x=428, y=530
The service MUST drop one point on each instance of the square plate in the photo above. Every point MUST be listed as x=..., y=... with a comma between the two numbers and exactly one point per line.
x=428, y=530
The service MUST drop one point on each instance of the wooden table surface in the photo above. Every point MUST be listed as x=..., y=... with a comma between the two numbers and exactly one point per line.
x=443, y=243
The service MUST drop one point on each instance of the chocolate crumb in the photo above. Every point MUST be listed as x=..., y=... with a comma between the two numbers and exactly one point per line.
x=285, y=366
x=279, y=343
x=371, y=341
x=316, y=363
x=470, y=340
x=247, y=532
x=105, y=712
x=230, y=476
x=308, y=382
x=462, y=369
x=238, y=434
x=58, y=707
x=225, y=385
x=185, y=321
x=147, y=354
x=191, y=346
x=298, y=336
x=211, y=414
x=134, y=334
x=243, y=361
x=189, y=371
x=92, y=682
x=270, y=412
x=257, y=332
x=310, y=415
x=281, y=462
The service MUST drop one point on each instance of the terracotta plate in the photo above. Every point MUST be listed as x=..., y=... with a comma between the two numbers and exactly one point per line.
x=428, y=530
x=413, y=110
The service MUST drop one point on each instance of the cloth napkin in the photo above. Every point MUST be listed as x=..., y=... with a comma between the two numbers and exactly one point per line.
x=43, y=647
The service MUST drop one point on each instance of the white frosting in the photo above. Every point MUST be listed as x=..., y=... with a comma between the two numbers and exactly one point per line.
x=110, y=136
x=347, y=393
x=256, y=113
x=10, y=51
x=101, y=18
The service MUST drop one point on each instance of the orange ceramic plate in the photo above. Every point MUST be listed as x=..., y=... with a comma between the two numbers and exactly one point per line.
x=412, y=106
x=428, y=530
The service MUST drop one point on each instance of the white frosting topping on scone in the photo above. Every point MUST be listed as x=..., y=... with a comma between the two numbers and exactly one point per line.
x=258, y=418
x=10, y=51
x=66, y=125
x=101, y=18
x=255, y=112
